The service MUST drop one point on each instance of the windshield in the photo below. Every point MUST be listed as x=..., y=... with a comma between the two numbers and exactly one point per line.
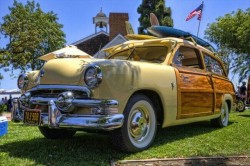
x=156, y=54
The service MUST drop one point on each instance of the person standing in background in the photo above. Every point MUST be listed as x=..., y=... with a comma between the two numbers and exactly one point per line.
x=6, y=102
x=243, y=91
x=9, y=104
x=2, y=101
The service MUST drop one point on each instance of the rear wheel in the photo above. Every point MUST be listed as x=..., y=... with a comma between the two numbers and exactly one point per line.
x=222, y=121
x=56, y=133
x=139, y=128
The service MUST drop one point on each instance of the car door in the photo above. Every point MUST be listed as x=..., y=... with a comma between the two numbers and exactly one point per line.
x=195, y=88
x=221, y=84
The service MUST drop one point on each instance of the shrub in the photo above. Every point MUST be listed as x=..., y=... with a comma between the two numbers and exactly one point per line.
x=3, y=108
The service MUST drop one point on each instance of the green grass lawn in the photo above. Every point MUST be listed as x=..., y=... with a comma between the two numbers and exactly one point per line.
x=24, y=145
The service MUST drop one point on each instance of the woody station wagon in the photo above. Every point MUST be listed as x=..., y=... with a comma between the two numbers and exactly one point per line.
x=141, y=85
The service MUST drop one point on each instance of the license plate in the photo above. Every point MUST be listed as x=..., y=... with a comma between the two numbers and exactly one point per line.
x=32, y=116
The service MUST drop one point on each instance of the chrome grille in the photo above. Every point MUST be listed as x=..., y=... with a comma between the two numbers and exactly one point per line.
x=55, y=93
x=52, y=91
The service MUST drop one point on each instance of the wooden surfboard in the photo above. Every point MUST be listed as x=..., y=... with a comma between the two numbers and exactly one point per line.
x=131, y=36
x=139, y=37
x=153, y=20
x=129, y=28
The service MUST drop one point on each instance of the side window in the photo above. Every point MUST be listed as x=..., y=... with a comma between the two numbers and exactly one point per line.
x=212, y=65
x=187, y=57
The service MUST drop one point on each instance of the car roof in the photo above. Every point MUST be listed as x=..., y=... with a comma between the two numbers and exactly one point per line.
x=157, y=41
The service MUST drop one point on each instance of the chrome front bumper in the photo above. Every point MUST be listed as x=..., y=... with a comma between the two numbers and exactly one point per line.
x=55, y=119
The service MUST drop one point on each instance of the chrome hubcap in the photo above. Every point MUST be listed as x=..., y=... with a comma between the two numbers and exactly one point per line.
x=139, y=124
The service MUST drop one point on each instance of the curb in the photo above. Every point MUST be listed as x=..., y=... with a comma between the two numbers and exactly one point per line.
x=183, y=161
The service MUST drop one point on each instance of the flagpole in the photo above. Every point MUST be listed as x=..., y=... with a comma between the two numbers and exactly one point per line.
x=199, y=23
x=198, y=28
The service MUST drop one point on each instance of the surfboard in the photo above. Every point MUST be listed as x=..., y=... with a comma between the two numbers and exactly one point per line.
x=131, y=36
x=153, y=19
x=129, y=28
x=139, y=37
x=164, y=31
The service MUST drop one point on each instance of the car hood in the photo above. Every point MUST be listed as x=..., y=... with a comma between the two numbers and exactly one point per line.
x=69, y=71
x=64, y=71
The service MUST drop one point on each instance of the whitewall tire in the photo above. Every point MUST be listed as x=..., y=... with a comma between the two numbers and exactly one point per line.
x=140, y=125
x=222, y=121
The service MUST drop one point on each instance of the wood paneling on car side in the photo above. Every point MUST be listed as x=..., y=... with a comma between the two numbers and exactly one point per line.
x=195, y=93
x=221, y=86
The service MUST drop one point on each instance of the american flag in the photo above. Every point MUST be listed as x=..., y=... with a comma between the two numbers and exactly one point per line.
x=197, y=11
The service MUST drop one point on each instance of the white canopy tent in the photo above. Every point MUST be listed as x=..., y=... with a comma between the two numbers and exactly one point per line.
x=66, y=52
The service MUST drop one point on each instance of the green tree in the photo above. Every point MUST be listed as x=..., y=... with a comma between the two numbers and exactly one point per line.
x=30, y=33
x=231, y=34
x=164, y=14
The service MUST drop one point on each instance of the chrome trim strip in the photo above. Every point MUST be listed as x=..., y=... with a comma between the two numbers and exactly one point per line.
x=41, y=100
x=62, y=87
x=77, y=102
x=94, y=103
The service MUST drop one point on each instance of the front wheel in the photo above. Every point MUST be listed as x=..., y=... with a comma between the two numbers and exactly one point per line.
x=222, y=121
x=140, y=125
x=56, y=133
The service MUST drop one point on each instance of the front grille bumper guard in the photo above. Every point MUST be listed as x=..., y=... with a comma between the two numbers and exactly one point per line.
x=55, y=119
x=110, y=120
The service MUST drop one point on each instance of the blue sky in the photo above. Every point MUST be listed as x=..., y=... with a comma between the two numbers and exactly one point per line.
x=77, y=17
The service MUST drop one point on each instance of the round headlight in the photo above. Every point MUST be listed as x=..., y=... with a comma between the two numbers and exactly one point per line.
x=22, y=81
x=93, y=76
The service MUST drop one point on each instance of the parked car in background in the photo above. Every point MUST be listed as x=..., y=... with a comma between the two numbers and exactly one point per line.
x=243, y=101
x=142, y=85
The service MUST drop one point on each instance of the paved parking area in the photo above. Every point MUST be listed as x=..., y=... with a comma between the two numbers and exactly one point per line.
x=199, y=161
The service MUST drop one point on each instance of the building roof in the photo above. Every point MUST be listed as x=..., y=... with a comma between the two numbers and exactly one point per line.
x=101, y=14
x=93, y=43
x=89, y=37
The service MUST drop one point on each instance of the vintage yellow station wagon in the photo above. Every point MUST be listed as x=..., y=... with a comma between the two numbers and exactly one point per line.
x=142, y=85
